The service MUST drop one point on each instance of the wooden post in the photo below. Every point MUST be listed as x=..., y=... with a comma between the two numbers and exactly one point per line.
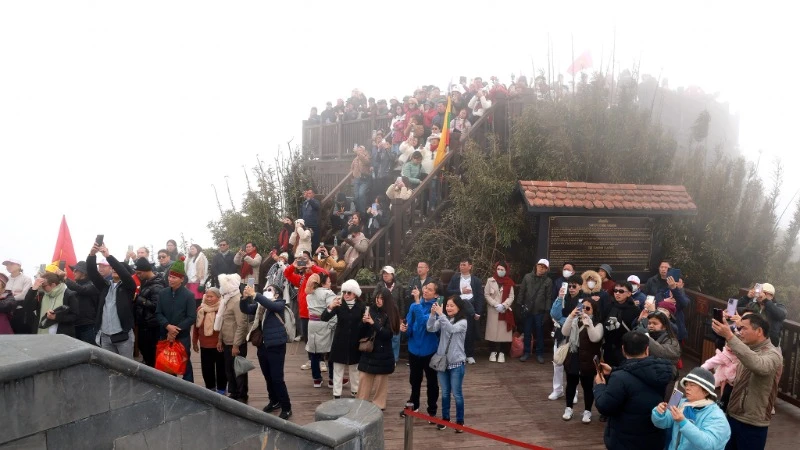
x=408, y=429
x=397, y=230
x=339, y=139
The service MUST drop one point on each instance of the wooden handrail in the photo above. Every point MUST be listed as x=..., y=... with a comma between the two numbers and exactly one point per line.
x=332, y=194
x=348, y=272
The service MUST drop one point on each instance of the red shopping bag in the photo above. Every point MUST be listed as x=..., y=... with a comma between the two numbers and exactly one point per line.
x=171, y=357
x=517, y=346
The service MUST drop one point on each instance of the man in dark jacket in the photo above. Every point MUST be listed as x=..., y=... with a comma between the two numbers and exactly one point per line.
x=628, y=394
x=309, y=212
x=423, y=277
x=534, y=294
x=145, y=310
x=222, y=262
x=767, y=307
x=657, y=284
x=469, y=288
x=88, y=297
x=176, y=312
x=114, y=321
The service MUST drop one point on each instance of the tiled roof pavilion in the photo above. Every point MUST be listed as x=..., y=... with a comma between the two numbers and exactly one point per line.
x=603, y=198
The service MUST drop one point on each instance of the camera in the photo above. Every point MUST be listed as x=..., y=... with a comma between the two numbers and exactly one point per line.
x=301, y=262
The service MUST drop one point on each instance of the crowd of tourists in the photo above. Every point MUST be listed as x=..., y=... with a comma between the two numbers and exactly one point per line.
x=619, y=341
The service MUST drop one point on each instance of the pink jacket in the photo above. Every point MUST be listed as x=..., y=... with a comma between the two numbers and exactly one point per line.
x=724, y=365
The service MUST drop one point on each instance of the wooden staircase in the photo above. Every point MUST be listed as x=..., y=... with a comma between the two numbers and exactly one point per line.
x=409, y=218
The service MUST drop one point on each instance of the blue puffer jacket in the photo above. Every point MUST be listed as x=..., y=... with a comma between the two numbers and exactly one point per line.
x=704, y=428
x=421, y=342
x=271, y=327
x=632, y=391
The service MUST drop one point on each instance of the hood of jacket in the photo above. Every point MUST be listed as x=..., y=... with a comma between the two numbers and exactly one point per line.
x=654, y=372
x=229, y=282
x=597, y=287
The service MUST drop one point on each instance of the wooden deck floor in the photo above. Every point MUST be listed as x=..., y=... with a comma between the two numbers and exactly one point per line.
x=506, y=399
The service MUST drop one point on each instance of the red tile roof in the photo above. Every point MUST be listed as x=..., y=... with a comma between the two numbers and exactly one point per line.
x=567, y=196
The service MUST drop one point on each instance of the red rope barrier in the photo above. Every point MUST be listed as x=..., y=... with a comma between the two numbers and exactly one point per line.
x=480, y=433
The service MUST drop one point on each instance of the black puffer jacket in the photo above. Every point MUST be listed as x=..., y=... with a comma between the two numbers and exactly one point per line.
x=381, y=360
x=344, y=349
x=144, y=307
x=632, y=391
x=125, y=292
x=88, y=296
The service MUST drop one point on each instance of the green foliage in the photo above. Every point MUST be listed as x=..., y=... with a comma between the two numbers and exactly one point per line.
x=365, y=277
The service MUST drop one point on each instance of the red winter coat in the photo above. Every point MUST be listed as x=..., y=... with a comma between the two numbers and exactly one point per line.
x=299, y=280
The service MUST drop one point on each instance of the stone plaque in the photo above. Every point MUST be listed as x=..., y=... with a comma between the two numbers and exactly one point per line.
x=623, y=242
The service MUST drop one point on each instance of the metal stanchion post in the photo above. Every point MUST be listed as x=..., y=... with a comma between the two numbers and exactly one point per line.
x=408, y=434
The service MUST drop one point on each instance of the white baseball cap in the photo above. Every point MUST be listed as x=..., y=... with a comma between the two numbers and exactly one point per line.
x=12, y=261
x=388, y=269
x=544, y=262
x=634, y=279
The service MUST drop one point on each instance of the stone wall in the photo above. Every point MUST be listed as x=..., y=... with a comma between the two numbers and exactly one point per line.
x=59, y=393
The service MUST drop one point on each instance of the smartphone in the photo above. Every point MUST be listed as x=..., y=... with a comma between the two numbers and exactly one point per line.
x=42, y=269
x=366, y=310
x=580, y=309
x=130, y=248
x=405, y=322
x=675, y=273
x=732, y=303
x=675, y=398
x=440, y=301
x=462, y=80
x=374, y=206
x=251, y=281
x=717, y=315
x=564, y=286
x=650, y=303
x=597, y=367
x=757, y=289
x=62, y=265
x=99, y=239
x=399, y=180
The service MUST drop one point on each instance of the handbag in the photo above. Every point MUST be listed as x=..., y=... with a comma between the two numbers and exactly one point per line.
x=561, y=354
x=439, y=362
x=257, y=337
x=367, y=344
x=242, y=365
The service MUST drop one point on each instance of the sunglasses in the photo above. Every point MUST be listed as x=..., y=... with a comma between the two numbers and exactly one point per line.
x=586, y=308
x=348, y=292
x=163, y=256
x=573, y=286
x=620, y=291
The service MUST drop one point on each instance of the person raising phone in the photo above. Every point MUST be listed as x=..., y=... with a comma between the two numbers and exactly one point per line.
x=585, y=330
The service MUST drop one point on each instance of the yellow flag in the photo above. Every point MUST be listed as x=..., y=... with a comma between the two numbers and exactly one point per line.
x=441, y=150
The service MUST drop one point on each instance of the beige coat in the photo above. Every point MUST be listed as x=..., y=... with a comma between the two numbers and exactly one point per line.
x=255, y=263
x=234, y=323
x=496, y=331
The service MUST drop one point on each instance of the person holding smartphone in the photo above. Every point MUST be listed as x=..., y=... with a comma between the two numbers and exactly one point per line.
x=584, y=328
x=696, y=422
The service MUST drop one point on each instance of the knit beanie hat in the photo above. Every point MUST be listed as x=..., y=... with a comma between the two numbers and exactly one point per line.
x=667, y=307
x=702, y=378
x=177, y=269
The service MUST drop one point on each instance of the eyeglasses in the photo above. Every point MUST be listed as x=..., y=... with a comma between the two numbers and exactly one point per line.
x=620, y=291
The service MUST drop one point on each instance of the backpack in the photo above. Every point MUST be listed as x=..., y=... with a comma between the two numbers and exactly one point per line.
x=288, y=322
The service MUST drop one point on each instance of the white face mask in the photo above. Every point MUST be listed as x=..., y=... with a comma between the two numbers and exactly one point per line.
x=566, y=274
x=591, y=284
x=635, y=288
x=501, y=273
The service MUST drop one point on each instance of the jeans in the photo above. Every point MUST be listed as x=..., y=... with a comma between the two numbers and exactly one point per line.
x=316, y=360
x=121, y=348
x=418, y=366
x=451, y=381
x=237, y=386
x=537, y=321
x=86, y=333
x=744, y=436
x=212, y=364
x=271, y=361
x=148, y=338
x=396, y=347
x=360, y=187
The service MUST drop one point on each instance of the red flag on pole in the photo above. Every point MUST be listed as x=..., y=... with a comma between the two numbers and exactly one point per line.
x=583, y=62
x=64, y=250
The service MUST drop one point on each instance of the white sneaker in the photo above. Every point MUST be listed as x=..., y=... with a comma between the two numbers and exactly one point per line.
x=324, y=367
x=575, y=400
x=306, y=366
x=501, y=358
x=587, y=416
x=555, y=395
x=567, y=413
x=470, y=360
x=493, y=357
x=297, y=338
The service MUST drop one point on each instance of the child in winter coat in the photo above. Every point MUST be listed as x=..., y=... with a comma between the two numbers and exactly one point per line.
x=723, y=365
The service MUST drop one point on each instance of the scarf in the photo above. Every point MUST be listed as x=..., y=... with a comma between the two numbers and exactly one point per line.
x=699, y=404
x=206, y=317
x=51, y=300
x=223, y=303
x=574, y=333
x=506, y=284
x=247, y=269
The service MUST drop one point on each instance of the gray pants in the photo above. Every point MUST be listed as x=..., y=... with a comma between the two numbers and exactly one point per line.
x=121, y=348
